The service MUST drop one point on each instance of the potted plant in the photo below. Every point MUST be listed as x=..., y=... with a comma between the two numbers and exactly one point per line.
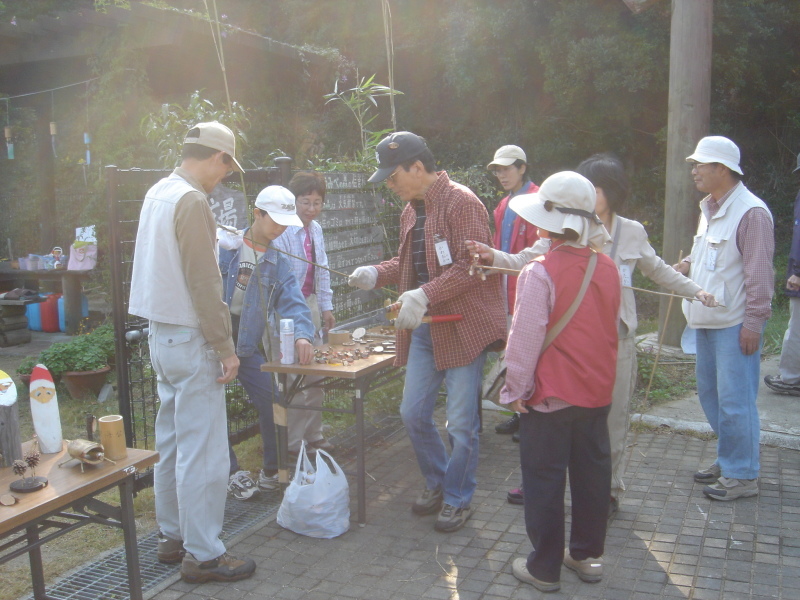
x=25, y=367
x=82, y=362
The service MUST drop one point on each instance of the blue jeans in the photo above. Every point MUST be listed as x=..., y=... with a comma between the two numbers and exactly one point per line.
x=727, y=383
x=455, y=473
x=261, y=390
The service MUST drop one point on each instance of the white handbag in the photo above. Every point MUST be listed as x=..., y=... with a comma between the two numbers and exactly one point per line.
x=317, y=500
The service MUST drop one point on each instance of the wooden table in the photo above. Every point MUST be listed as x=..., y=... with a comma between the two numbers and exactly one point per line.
x=363, y=376
x=70, y=288
x=45, y=511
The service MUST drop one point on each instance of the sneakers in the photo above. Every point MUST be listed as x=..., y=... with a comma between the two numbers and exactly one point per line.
x=730, y=489
x=323, y=444
x=451, y=518
x=515, y=496
x=222, y=568
x=520, y=569
x=169, y=551
x=613, y=507
x=709, y=474
x=589, y=570
x=510, y=426
x=776, y=384
x=268, y=483
x=428, y=502
x=241, y=486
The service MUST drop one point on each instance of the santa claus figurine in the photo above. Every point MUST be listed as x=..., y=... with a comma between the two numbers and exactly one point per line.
x=44, y=410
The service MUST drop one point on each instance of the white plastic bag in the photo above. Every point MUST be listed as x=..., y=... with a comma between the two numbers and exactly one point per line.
x=317, y=501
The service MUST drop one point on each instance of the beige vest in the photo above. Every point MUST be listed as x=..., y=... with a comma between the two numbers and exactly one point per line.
x=717, y=264
x=158, y=287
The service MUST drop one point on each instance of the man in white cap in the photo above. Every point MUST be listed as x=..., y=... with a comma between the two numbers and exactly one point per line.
x=258, y=281
x=787, y=381
x=731, y=259
x=561, y=365
x=176, y=285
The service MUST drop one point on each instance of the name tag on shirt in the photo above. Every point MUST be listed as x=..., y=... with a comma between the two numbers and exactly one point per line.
x=625, y=275
x=443, y=253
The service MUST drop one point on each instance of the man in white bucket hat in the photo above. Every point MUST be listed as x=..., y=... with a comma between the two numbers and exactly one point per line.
x=561, y=363
x=731, y=259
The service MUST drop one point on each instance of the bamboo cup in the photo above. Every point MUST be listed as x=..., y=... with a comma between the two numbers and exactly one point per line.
x=112, y=436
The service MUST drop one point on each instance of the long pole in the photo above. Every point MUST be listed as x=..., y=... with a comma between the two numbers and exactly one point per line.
x=688, y=121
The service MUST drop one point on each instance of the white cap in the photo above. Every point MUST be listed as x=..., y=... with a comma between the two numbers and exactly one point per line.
x=506, y=156
x=279, y=204
x=717, y=149
x=217, y=137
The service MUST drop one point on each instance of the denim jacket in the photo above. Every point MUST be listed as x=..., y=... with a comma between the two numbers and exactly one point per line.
x=279, y=289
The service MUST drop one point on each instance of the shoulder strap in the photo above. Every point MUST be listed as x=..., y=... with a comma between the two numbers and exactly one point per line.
x=565, y=318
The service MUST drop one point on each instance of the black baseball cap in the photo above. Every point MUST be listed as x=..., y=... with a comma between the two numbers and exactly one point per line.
x=394, y=149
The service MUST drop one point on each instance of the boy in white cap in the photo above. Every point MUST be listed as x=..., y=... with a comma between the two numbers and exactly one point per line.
x=731, y=259
x=257, y=282
x=561, y=358
x=176, y=285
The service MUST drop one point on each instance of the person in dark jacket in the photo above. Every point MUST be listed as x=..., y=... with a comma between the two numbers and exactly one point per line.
x=788, y=379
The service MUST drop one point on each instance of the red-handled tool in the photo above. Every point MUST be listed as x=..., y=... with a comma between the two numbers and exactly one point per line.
x=393, y=309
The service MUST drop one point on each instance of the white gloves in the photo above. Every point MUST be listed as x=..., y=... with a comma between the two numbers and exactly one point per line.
x=414, y=305
x=229, y=240
x=363, y=278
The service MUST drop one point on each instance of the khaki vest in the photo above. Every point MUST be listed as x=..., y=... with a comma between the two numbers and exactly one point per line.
x=158, y=287
x=717, y=264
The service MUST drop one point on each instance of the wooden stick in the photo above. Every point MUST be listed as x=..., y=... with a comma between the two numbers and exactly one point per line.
x=630, y=287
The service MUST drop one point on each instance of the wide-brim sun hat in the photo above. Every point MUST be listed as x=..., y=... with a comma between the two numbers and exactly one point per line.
x=565, y=200
x=717, y=149
x=279, y=203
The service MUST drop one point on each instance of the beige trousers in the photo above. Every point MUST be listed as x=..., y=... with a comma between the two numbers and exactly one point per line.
x=619, y=416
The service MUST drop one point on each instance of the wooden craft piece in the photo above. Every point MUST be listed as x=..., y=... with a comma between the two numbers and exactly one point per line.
x=44, y=410
x=10, y=444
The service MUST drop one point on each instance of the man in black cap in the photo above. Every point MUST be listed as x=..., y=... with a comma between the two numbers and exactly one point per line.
x=788, y=379
x=432, y=272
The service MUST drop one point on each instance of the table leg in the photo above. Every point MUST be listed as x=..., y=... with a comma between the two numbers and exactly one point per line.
x=129, y=534
x=358, y=409
x=71, y=286
x=279, y=413
x=35, y=557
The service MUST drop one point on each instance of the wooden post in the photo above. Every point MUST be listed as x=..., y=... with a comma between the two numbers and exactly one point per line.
x=47, y=183
x=688, y=121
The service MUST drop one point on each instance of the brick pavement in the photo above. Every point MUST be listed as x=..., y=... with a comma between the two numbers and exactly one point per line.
x=667, y=541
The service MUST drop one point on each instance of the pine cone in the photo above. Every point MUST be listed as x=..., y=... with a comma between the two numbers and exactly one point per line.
x=19, y=467
x=32, y=459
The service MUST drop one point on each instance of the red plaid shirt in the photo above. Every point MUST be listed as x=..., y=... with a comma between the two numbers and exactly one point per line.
x=456, y=214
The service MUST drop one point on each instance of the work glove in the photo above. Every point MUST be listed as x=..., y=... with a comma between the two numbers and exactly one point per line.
x=414, y=305
x=363, y=278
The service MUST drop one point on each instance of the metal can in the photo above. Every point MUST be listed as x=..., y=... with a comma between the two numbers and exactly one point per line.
x=287, y=341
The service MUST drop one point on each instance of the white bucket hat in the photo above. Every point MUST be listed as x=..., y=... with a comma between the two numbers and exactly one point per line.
x=279, y=204
x=566, y=200
x=717, y=149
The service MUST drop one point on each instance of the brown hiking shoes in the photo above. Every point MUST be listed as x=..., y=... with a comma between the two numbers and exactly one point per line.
x=222, y=568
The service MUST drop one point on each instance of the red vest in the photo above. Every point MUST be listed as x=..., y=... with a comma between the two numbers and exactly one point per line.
x=579, y=367
x=524, y=235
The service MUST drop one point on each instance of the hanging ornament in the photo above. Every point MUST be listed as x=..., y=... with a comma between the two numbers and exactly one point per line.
x=9, y=141
x=87, y=139
x=53, y=132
